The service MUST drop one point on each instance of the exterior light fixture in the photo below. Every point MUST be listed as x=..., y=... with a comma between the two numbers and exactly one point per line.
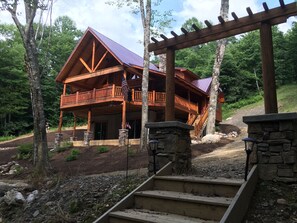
x=153, y=144
x=248, y=147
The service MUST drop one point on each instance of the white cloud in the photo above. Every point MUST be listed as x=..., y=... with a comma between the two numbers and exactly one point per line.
x=117, y=24
x=210, y=9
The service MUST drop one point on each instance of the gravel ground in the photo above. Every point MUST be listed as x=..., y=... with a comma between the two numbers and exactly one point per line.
x=273, y=202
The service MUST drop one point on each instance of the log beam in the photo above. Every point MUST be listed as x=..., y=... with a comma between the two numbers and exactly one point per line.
x=170, y=85
x=270, y=99
x=94, y=74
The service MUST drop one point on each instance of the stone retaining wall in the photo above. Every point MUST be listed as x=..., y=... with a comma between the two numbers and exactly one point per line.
x=276, y=148
x=174, y=144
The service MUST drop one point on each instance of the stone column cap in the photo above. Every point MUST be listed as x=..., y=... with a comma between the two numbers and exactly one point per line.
x=270, y=117
x=169, y=124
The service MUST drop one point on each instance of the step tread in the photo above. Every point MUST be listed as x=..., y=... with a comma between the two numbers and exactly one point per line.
x=142, y=215
x=224, y=181
x=172, y=195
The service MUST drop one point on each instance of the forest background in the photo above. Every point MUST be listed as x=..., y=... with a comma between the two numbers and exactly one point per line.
x=240, y=77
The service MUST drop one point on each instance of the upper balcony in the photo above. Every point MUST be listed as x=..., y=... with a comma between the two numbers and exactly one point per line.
x=113, y=93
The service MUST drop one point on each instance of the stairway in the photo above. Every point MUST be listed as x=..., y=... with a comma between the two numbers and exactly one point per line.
x=176, y=199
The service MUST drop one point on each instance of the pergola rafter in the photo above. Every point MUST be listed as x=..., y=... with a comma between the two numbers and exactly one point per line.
x=225, y=28
x=263, y=20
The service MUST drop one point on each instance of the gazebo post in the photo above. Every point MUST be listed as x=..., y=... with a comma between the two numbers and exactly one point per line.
x=170, y=85
x=270, y=98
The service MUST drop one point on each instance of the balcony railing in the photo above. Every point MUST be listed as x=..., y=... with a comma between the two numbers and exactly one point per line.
x=113, y=93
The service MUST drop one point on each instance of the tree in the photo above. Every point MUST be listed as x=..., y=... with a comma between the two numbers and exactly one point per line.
x=146, y=13
x=58, y=43
x=14, y=92
x=210, y=129
x=32, y=66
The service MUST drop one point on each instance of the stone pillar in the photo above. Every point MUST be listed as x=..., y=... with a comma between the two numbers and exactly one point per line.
x=123, y=136
x=88, y=136
x=58, y=140
x=275, y=152
x=174, y=144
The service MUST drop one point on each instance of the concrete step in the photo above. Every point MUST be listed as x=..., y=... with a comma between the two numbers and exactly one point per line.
x=142, y=215
x=208, y=208
x=198, y=186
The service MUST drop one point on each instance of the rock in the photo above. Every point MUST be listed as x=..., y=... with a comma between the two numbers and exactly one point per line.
x=281, y=201
x=14, y=197
x=31, y=197
x=36, y=213
x=211, y=138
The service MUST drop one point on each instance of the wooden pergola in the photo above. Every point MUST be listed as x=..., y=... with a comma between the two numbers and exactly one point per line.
x=263, y=20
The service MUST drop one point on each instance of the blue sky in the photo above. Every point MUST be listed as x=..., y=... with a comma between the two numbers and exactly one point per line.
x=126, y=29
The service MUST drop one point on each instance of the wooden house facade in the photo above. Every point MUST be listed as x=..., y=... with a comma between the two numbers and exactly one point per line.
x=95, y=74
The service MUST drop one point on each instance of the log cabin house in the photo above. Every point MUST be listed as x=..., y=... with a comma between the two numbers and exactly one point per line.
x=93, y=78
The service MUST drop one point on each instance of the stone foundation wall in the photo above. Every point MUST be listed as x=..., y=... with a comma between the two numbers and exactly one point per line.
x=174, y=144
x=123, y=136
x=88, y=136
x=276, y=148
x=58, y=140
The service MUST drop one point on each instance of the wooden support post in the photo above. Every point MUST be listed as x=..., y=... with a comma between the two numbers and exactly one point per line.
x=124, y=119
x=64, y=89
x=170, y=85
x=60, y=122
x=74, y=126
x=124, y=109
x=89, y=120
x=270, y=99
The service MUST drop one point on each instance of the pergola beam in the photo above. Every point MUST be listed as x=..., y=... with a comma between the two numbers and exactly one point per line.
x=245, y=24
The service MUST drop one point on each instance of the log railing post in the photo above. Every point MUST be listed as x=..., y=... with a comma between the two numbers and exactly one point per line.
x=113, y=91
x=76, y=98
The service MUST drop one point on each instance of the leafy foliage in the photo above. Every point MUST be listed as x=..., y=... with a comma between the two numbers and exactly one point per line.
x=57, y=44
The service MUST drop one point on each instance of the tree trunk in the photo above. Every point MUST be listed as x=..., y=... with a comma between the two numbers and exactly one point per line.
x=31, y=59
x=220, y=51
x=146, y=21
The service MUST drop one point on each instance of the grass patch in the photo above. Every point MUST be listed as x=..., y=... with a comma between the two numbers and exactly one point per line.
x=286, y=97
x=230, y=109
x=102, y=149
x=6, y=138
x=25, y=151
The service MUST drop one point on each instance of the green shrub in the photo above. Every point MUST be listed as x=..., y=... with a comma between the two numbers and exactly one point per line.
x=102, y=149
x=71, y=158
x=65, y=145
x=25, y=151
x=73, y=155
x=75, y=152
